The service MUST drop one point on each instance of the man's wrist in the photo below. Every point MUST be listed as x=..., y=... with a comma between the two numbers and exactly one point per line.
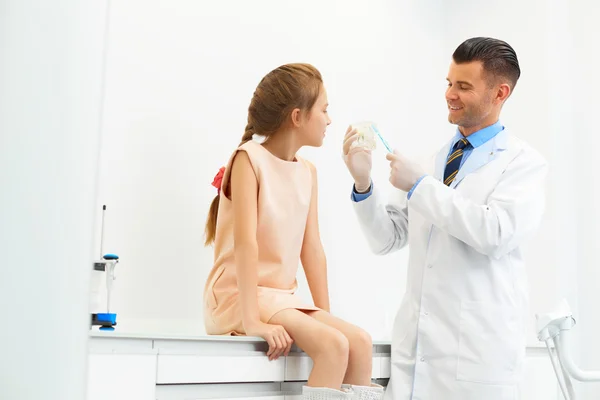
x=410, y=192
x=362, y=189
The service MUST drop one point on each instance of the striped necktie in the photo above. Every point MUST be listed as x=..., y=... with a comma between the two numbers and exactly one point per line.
x=453, y=162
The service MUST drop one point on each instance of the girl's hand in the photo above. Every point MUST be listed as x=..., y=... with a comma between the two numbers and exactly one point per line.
x=276, y=336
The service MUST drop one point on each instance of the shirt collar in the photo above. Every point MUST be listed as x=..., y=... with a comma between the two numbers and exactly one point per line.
x=478, y=138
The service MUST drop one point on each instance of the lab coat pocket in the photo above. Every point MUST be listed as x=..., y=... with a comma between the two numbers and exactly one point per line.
x=491, y=343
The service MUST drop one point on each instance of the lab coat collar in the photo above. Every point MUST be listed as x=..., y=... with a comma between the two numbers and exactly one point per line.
x=479, y=157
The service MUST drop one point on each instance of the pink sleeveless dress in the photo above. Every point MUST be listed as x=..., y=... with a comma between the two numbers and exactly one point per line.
x=284, y=193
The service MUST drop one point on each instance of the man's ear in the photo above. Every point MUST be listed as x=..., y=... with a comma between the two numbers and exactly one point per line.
x=296, y=117
x=503, y=92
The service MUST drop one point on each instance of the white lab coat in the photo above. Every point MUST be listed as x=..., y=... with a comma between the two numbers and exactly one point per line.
x=460, y=331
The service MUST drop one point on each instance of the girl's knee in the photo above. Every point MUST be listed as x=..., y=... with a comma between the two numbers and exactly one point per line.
x=361, y=342
x=334, y=345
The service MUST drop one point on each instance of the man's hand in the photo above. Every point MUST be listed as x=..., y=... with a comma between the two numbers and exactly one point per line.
x=358, y=161
x=404, y=173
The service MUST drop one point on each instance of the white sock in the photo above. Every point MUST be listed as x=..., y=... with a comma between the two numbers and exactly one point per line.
x=373, y=392
x=321, y=393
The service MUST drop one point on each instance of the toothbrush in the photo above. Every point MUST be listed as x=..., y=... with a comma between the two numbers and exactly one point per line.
x=387, y=146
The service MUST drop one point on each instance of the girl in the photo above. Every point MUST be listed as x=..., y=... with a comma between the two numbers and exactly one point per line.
x=262, y=222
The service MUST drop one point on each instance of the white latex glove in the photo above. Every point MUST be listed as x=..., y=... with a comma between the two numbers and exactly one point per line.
x=358, y=161
x=404, y=172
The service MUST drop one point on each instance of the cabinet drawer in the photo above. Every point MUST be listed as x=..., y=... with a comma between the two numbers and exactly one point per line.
x=385, y=367
x=179, y=368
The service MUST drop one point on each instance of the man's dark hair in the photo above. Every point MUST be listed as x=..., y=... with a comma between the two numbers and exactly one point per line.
x=498, y=57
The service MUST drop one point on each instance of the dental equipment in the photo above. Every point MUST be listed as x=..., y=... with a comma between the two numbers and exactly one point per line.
x=387, y=146
x=555, y=327
x=103, y=268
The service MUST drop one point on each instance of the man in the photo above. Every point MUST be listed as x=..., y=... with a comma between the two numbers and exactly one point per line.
x=460, y=330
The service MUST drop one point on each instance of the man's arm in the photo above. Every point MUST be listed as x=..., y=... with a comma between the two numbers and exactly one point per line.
x=513, y=210
x=384, y=226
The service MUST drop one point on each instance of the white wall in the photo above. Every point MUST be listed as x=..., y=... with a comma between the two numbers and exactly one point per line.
x=179, y=81
x=182, y=75
x=582, y=18
x=50, y=100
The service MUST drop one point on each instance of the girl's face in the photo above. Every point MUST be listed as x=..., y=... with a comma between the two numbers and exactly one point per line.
x=315, y=123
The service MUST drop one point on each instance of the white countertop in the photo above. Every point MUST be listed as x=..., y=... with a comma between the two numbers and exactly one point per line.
x=176, y=332
x=170, y=330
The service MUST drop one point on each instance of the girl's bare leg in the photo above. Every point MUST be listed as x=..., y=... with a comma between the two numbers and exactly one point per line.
x=325, y=345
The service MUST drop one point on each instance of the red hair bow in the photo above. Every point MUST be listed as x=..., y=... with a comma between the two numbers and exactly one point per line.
x=218, y=179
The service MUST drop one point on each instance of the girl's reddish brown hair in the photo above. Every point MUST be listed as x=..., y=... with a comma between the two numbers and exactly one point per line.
x=281, y=91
